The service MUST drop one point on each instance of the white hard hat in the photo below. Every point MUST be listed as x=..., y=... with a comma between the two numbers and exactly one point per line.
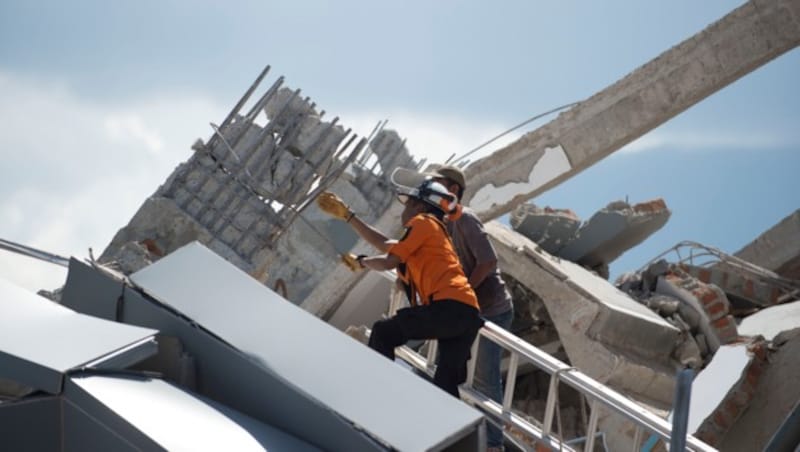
x=430, y=192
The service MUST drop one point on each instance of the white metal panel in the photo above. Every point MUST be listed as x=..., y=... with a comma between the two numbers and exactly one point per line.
x=178, y=420
x=40, y=339
x=340, y=373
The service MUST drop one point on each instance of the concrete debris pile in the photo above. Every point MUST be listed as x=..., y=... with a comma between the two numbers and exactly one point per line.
x=707, y=300
x=242, y=192
x=725, y=305
x=597, y=242
x=634, y=336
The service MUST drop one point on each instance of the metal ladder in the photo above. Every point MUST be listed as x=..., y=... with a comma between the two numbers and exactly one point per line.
x=600, y=397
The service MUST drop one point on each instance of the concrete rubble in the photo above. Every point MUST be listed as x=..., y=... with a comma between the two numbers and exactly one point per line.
x=597, y=242
x=634, y=336
x=246, y=194
x=236, y=195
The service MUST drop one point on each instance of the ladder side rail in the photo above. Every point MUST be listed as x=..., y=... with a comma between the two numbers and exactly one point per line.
x=588, y=386
x=600, y=394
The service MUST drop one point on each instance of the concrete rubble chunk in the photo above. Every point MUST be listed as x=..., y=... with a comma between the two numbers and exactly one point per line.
x=613, y=230
x=550, y=228
x=596, y=243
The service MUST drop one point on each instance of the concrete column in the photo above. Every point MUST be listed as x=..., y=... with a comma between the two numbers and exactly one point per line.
x=745, y=39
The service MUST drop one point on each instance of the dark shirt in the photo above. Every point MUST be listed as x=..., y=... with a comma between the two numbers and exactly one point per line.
x=473, y=246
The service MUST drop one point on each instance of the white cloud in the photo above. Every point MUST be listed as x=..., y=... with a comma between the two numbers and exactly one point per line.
x=706, y=140
x=131, y=127
x=75, y=171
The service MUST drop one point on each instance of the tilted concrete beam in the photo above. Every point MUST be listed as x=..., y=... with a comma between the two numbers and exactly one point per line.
x=605, y=333
x=778, y=248
x=743, y=40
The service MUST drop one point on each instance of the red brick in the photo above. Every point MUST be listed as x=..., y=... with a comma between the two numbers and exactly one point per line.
x=708, y=295
x=753, y=374
x=709, y=436
x=716, y=308
x=742, y=396
x=732, y=408
x=759, y=350
x=725, y=328
x=721, y=420
x=748, y=289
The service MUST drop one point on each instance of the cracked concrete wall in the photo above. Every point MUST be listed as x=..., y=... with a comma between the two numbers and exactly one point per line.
x=726, y=50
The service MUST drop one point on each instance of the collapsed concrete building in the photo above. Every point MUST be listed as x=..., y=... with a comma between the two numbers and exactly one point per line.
x=246, y=194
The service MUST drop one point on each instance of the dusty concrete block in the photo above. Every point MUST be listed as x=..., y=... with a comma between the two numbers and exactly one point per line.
x=613, y=230
x=551, y=229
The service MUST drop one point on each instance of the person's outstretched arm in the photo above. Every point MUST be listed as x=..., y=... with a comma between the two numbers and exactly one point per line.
x=380, y=263
x=334, y=206
x=371, y=235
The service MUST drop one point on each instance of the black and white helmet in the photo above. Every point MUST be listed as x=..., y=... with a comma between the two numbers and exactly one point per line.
x=429, y=192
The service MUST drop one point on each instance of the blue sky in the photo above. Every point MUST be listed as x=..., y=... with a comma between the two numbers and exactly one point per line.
x=103, y=99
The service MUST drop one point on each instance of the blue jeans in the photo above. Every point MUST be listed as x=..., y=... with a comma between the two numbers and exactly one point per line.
x=487, y=372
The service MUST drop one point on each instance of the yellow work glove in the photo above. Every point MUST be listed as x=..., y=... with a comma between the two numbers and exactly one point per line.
x=352, y=261
x=333, y=206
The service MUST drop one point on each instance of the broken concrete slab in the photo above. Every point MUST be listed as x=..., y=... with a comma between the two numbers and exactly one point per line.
x=596, y=243
x=729, y=388
x=550, y=228
x=613, y=230
x=365, y=304
x=775, y=394
x=713, y=384
x=772, y=321
x=605, y=333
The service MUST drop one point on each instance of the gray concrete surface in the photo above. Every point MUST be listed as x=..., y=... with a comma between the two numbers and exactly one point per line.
x=605, y=333
x=778, y=248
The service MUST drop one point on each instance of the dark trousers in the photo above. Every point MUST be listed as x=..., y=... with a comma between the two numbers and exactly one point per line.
x=452, y=323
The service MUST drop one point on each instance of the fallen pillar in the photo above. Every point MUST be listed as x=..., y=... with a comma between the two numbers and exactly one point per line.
x=740, y=42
